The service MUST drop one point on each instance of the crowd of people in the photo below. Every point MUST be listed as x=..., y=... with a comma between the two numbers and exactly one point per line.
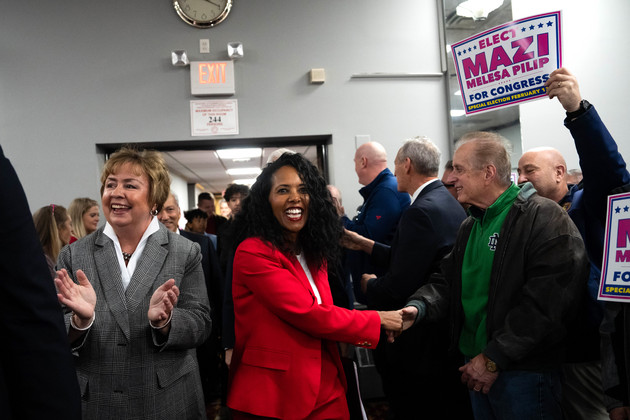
x=477, y=295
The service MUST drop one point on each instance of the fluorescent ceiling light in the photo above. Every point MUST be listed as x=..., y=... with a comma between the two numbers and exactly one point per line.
x=239, y=153
x=248, y=181
x=457, y=112
x=244, y=171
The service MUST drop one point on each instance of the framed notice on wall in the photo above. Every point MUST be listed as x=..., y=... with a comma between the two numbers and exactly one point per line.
x=217, y=117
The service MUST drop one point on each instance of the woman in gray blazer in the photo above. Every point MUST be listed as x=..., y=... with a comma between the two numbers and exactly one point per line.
x=138, y=301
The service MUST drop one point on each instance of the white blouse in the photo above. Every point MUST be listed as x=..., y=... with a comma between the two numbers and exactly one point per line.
x=302, y=261
x=126, y=271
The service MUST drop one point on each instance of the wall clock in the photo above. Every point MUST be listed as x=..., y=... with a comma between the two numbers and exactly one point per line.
x=202, y=13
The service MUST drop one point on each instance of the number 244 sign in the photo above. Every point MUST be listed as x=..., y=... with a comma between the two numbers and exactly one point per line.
x=214, y=117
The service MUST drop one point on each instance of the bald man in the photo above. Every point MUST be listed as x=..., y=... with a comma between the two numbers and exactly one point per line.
x=546, y=169
x=378, y=216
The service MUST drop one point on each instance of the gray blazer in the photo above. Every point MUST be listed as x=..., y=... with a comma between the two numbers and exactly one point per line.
x=127, y=370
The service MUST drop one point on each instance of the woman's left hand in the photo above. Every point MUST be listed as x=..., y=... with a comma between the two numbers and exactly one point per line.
x=162, y=303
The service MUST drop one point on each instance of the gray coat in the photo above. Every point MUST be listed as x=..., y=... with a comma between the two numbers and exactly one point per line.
x=125, y=368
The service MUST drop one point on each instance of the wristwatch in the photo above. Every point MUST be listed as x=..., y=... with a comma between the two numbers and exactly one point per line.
x=584, y=106
x=491, y=366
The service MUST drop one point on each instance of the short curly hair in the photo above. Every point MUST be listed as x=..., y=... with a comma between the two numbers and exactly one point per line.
x=147, y=162
x=234, y=189
x=318, y=240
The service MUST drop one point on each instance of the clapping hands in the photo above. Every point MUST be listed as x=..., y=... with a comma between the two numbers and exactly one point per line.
x=161, y=305
x=80, y=298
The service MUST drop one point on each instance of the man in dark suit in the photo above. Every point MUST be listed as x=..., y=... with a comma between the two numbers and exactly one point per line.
x=414, y=368
x=37, y=376
x=208, y=353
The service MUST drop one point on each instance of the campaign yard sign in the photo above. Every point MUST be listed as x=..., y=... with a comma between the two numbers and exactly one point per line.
x=509, y=64
x=615, y=281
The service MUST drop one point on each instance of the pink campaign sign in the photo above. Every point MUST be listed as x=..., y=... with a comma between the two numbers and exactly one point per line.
x=615, y=281
x=508, y=64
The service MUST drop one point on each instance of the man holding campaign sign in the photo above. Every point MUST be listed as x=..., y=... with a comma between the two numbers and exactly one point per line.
x=604, y=170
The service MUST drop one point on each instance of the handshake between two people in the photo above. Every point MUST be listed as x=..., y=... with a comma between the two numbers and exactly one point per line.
x=395, y=322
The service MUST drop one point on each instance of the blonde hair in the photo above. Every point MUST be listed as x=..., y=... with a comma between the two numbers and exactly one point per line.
x=77, y=209
x=150, y=163
x=47, y=221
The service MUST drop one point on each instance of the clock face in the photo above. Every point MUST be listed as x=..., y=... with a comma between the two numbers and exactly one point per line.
x=203, y=13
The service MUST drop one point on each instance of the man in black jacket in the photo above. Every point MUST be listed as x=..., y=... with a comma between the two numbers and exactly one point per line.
x=511, y=286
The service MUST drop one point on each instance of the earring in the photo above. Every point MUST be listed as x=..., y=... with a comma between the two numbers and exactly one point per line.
x=154, y=212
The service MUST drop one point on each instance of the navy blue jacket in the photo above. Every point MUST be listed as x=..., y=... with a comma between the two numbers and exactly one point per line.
x=376, y=219
x=603, y=169
x=426, y=233
x=382, y=207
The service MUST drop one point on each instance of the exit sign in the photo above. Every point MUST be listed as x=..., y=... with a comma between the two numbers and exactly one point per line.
x=212, y=78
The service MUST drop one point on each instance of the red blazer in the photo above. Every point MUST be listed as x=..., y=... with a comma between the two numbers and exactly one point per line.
x=280, y=328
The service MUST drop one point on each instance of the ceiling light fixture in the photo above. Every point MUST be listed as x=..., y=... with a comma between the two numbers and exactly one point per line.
x=239, y=153
x=478, y=9
x=247, y=181
x=244, y=171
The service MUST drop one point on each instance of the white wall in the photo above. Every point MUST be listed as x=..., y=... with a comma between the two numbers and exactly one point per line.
x=595, y=50
x=83, y=72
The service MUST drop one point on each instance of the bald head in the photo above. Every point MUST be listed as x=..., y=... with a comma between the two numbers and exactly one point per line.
x=546, y=169
x=369, y=160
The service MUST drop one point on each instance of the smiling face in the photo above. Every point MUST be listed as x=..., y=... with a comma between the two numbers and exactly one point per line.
x=289, y=201
x=126, y=198
x=545, y=169
x=469, y=182
x=90, y=219
x=170, y=214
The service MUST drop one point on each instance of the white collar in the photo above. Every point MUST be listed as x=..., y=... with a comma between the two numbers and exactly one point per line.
x=128, y=270
x=420, y=188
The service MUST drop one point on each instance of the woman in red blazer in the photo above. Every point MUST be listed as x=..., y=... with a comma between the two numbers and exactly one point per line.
x=285, y=363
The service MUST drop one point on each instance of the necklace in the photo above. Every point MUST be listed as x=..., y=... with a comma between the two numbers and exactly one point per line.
x=127, y=256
